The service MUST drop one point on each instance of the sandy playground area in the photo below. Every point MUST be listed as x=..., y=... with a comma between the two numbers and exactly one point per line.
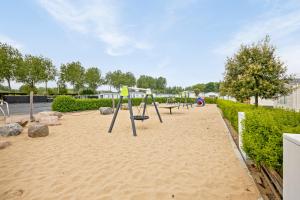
x=189, y=156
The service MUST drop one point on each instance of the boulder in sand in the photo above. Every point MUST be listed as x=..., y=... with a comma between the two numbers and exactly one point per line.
x=49, y=120
x=4, y=144
x=15, y=119
x=11, y=129
x=106, y=110
x=38, y=130
x=47, y=114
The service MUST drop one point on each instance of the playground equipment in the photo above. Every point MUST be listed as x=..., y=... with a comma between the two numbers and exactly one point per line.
x=170, y=104
x=2, y=110
x=200, y=102
x=125, y=92
x=185, y=99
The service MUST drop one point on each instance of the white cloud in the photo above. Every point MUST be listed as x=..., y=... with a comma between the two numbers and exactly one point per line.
x=10, y=41
x=97, y=18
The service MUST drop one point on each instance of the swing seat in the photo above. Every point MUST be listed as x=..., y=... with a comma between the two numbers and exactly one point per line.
x=140, y=117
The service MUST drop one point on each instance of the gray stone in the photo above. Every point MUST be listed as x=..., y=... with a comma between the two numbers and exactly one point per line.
x=4, y=144
x=23, y=121
x=49, y=120
x=47, y=114
x=38, y=130
x=106, y=110
x=11, y=129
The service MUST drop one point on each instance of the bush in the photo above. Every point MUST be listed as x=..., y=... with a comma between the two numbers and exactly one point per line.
x=264, y=127
x=69, y=104
x=210, y=100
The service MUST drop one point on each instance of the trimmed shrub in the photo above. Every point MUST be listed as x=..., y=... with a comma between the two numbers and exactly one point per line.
x=69, y=104
x=210, y=100
x=264, y=127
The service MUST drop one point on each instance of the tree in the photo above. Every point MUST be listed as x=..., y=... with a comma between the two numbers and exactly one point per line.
x=146, y=82
x=50, y=72
x=198, y=88
x=32, y=71
x=118, y=78
x=74, y=74
x=256, y=71
x=161, y=83
x=10, y=58
x=212, y=87
x=93, y=78
x=128, y=79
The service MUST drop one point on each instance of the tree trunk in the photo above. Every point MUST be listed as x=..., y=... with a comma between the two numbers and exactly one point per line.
x=8, y=82
x=256, y=100
x=46, y=84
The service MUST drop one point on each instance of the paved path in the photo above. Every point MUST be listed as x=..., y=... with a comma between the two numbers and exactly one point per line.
x=23, y=108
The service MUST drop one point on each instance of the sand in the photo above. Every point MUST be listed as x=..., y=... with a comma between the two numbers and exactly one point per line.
x=189, y=156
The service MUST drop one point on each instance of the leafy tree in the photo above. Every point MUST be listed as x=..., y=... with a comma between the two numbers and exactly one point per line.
x=146, y=82
x=256, y=71
x=93, y=78
x=161, y=83
x=74, y=74
x=128, y=79
x=50, y=72
x=198, y=88
x=27, y=89
x=118, y=78
x=10, y=58
x=32, y=71
x=174, y=90
x=212, y=87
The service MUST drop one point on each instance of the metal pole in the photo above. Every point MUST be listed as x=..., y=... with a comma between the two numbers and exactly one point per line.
x=131, y=116
x=115, y=115
x=145, y=104
x=156, y=109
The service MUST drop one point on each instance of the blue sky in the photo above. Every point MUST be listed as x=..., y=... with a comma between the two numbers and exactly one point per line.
x=186, y=41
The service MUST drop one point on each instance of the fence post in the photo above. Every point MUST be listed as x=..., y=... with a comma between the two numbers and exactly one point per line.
x=31, y=106
x=241, y=118
x=291, y=166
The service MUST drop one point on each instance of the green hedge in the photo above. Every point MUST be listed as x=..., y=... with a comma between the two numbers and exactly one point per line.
x=69, y=104
x=264, y=127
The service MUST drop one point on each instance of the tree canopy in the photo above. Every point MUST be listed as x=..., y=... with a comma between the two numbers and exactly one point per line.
x=93, y=78
x=74, y=74
x=32, y=71
x=10, y=59
x=255, y=70
x=118, y=78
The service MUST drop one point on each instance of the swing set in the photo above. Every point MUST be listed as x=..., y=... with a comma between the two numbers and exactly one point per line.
x=125, y=92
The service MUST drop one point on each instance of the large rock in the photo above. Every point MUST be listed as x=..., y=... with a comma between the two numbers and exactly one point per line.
x=17, y=119
x=106, y=110
x=49, y=120
x=38, y=130
x=11, y=129
x=4, y=144
x=47, y=114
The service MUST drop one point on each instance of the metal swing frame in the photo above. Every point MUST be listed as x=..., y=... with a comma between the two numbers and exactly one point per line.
x=2, y=102
x=126, y=93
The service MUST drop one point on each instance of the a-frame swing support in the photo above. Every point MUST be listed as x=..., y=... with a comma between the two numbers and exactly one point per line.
x=126, y=93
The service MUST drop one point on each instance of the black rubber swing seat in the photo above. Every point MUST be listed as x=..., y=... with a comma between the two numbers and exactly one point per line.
x=140, y=117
